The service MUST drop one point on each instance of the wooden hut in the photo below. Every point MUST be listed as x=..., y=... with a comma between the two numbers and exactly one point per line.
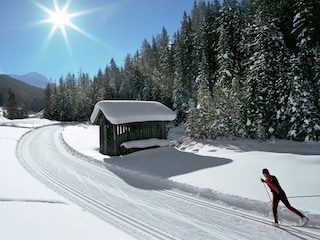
x=127, y=126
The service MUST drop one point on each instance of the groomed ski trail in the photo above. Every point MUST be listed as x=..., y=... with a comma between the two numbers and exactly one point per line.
x=145, y=214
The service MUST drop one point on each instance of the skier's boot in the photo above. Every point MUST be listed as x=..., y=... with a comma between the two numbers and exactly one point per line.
x=305, y=221
x=275, y=224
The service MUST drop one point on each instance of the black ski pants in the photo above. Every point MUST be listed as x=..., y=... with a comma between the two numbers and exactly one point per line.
x=283, y=198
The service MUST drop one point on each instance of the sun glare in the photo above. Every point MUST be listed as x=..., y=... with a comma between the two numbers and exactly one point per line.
x=61, y=18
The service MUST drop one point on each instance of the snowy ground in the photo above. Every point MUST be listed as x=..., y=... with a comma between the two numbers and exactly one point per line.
x=227, y=171
x=28, y=209
x=228, y=167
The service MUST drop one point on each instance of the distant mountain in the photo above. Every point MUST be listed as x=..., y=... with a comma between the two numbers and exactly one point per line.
x=25, y=93
x=33, y=78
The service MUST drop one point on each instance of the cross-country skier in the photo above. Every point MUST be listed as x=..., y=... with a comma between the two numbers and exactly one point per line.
x=279, y=195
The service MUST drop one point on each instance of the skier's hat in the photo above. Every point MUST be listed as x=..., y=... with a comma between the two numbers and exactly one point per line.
x=265, y=171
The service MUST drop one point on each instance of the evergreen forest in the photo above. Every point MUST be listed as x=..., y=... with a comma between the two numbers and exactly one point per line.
x=237, y=69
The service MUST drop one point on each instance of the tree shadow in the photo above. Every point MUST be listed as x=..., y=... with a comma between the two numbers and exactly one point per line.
x=152, y=168
x=276, y=146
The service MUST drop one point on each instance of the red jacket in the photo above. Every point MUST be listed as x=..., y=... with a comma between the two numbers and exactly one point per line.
x=273, y=184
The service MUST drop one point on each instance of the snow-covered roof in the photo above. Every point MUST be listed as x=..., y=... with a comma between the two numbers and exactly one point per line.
x=122, y=111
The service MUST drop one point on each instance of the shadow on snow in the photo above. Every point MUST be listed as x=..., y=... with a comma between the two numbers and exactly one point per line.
x=152, y=168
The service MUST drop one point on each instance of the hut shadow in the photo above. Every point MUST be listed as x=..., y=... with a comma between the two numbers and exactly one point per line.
x=151, y=169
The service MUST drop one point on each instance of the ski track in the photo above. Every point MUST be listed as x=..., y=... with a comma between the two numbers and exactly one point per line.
x=145, y=214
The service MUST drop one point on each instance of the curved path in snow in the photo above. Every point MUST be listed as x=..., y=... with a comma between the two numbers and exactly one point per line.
x=143, y=213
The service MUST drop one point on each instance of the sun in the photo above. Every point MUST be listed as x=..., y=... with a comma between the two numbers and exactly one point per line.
x=60, y=18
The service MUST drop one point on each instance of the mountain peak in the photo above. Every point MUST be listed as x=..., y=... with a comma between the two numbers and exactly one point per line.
x=33, y=78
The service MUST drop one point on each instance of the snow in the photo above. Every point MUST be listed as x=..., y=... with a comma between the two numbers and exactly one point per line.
x=30, y=210
x=296, y=164
x=2, y=118
x=119, y=112
x=229, y=170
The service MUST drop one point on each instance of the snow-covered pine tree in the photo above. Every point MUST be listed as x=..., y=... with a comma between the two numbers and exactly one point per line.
x=124, y=91
x=128, y=74
x=166, y=67
x=98, y=87
x=158, y=90
x=180, y=103
x=192, y=120
x=303, y=105
x=199, y=115
x=208, y=38
x=226, y=89
x=55, y=103
x=69, y=109
x=222, y=88
x=255, y=86
x=197, y=24
x=47, y=107
x=114, y=77
x=184, y=49
x=181, y=94
x=265, y=75
x=204, y=102
x=134, y=76
x=227, y=94
x=317, y=75
x=83, y=101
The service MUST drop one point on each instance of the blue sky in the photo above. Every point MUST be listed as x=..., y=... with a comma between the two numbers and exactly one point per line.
x=97, y=31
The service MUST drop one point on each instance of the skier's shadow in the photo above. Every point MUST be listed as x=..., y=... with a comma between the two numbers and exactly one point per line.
x=152, y=168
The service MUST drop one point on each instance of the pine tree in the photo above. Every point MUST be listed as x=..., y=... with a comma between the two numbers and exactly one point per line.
x=207, y=37
x=192, y=120
x=263, y=75
x=166, y=68
x=196, y=30
x=47, y=108
x=134, y=76
x=226, y=92
x=317, y=75
x=180, y=95
x=203, y=110
x=98, y=87
x=180, y=103
x=114, y=77
x=83, y=102
x=12, y=105
x=55, y=103
x=303, y=102
x=229, y=39
x=184, y=49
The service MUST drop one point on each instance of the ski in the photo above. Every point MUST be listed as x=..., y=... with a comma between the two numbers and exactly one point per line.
x=300, y=226
x=279, y=225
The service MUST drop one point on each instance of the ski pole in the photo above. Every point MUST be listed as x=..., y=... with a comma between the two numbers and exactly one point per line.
x=307, y=196
x=266, y=191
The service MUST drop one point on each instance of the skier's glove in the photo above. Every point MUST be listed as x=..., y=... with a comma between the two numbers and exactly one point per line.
x=262, y=180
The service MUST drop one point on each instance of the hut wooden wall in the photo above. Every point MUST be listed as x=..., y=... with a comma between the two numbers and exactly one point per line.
x=140, y=130
x=108, y=144
x=111, y=136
